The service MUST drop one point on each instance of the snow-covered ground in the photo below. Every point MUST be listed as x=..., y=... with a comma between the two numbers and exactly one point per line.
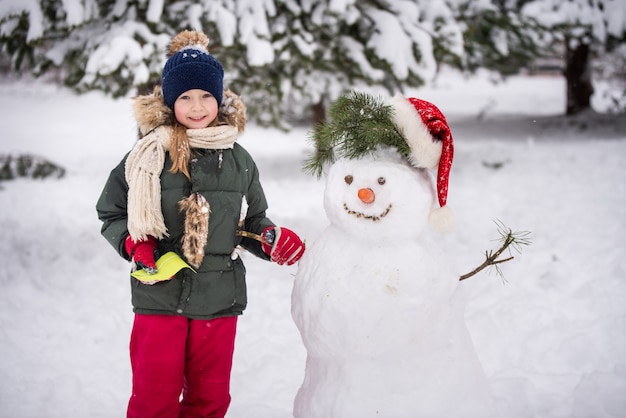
x=551, y=339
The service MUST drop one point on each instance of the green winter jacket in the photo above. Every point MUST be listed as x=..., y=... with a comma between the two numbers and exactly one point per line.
x=218, y=286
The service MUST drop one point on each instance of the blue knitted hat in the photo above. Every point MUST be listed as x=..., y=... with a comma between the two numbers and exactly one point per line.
x=190, y=66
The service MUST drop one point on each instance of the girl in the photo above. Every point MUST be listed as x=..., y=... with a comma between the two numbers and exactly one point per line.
x=187, y=187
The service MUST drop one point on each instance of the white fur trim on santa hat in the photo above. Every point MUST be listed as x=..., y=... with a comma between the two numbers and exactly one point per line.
x=442, y=219
x=424, y=151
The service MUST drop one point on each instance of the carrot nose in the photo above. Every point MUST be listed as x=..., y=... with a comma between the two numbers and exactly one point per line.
x=366, y=195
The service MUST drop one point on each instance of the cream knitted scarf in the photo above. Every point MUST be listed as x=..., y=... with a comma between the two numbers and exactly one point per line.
x=143, y=170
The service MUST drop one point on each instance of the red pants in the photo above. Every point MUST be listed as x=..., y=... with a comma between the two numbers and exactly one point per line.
x=171, y=355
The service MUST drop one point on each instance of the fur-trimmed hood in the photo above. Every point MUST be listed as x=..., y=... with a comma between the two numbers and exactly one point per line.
x=151, y=111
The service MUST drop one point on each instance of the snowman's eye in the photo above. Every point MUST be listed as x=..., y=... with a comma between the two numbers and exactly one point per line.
x=348, y=179
x=381, y=180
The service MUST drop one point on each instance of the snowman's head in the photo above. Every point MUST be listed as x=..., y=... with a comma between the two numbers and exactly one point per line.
x=378, y=197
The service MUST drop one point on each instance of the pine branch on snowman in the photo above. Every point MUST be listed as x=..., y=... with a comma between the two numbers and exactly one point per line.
x=379, y=309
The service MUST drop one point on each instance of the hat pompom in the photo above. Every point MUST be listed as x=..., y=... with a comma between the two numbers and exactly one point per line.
x=188, y=39
x=442, y=219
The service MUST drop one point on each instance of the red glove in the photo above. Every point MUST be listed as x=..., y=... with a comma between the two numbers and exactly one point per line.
x=143, y=253
x=282, y=245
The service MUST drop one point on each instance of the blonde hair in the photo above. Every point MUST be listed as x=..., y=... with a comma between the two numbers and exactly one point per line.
x=180, y=151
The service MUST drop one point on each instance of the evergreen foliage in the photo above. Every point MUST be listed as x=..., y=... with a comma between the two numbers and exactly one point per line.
x=585, y=30
x=359, y=123
x=286, y=57
x=12, y=167
x=501, y=40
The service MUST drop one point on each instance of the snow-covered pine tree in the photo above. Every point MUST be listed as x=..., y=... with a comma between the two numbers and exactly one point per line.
x=320, y=49
x=498, y=37
x=286, y=57
x=585, y=28
x=114, y=46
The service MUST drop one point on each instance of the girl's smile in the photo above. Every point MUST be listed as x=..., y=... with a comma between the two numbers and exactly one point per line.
x=195, y=109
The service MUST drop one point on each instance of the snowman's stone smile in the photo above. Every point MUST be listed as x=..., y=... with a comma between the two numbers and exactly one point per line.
x=374, y=218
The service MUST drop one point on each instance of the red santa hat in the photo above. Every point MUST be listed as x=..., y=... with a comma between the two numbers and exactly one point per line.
x=428, y=136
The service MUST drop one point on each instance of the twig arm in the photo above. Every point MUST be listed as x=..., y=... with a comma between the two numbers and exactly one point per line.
x=491, y=259
x=488, y=262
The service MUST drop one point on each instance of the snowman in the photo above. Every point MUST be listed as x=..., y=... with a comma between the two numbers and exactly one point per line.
x=378, y=307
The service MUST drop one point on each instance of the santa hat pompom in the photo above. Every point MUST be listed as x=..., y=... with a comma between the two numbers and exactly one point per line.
x=188, y=39
x=428, y=135
x=442, y=219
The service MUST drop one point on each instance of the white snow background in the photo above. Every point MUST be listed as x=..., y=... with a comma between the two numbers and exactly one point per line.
x=551, y=339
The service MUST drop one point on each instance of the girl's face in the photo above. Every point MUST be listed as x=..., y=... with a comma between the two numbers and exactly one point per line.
x=195, y=109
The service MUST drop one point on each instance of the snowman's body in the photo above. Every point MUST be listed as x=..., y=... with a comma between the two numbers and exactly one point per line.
x=378, y=307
